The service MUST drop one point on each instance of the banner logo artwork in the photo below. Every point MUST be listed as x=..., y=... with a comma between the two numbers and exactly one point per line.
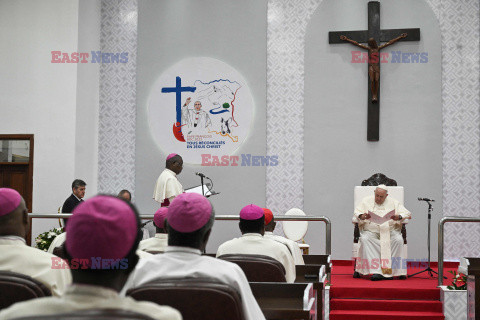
x=200, y=105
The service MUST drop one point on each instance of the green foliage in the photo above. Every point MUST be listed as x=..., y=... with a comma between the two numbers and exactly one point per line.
x=226, y=105
x=44, y=240
x=459, y=281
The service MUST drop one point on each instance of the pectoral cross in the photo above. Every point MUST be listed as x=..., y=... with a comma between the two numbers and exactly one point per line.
x=372, y=36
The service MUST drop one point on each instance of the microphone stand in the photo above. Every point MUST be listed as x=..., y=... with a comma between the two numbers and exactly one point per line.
x=428, y=269
x=201, y=181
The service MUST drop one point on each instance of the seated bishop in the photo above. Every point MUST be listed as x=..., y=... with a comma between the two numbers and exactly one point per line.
x=158, y=243
x=16, y=255
x=100, y=264
x=189, y=223
x=381, y=251
x=291, y=245
x=252, y=241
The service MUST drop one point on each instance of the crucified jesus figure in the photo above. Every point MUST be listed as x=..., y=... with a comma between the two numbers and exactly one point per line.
x=373, y=61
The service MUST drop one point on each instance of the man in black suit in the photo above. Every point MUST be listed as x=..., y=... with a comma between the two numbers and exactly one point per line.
x=78, y=192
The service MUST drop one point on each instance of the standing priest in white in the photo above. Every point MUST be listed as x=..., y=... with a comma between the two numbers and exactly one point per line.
x=168, y=186
x=380, y=221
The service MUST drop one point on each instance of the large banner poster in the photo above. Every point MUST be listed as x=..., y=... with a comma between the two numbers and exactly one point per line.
x=200, y=106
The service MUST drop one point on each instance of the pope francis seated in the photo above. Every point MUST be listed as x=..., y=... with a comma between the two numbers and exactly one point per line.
x=381, y=251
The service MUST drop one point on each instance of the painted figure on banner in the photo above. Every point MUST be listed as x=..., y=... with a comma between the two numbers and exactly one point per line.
x=197, y=120
x=212, y=111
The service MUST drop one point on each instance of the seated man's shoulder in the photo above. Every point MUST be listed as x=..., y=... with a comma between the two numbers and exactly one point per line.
x=280, y=247
x=223, y=270
x=38, y=254
x=272, y=242
x=393, y=200
x=229, y=243
x=70, y=199
x=282, y=239
x=54, y=305
x=153, y=310
x=39, y=306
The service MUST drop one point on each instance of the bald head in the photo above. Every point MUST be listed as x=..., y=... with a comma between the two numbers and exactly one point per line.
x=175, y=164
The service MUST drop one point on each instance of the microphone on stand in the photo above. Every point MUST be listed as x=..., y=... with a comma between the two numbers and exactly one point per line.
x=144, y=224
x=200, y=174
x=425, y=199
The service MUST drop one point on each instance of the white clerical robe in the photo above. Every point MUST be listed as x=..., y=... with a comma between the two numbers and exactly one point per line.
x=16, y=256
x=292, y=246
x=167, y=186
x=157, y=243
x=195, y=119
x=83, y=297
x=255, y=243
x=381, y=249
x=183, y=262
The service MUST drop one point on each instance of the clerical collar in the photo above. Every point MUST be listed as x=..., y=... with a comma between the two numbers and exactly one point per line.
x=13, y=238
x=252, y=235
x=171, y=172
x=182, y=249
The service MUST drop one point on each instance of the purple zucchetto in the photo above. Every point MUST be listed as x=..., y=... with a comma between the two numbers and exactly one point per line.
x=171, y=155
x=160, y=216
x=101, y=227
x=188, y=212
x=251, y=212
x=9, y=200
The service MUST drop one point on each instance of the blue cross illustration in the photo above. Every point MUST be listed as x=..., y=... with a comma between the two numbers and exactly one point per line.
x=178, y=89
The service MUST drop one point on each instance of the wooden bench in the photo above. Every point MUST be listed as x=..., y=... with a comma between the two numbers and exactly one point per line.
x=471, y=267
x=288, y=301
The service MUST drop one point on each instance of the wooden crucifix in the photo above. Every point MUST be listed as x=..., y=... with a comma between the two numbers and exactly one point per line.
x=372, y=36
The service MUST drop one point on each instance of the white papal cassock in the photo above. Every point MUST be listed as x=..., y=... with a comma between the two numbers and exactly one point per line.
x=16, y=256
x=255, y=243
x=83, y=297
x=167, y=186
x=291, y=245
x=381, y=249
x=157, y=243
x=183, y=262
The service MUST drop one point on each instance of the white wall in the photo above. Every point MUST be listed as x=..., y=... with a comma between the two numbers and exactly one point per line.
x=337, y=153
x=88, y=79
x=39, y=97
x=166, y=35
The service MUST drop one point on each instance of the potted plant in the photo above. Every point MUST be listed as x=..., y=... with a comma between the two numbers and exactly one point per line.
x=454, y=297
x=44, y=240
